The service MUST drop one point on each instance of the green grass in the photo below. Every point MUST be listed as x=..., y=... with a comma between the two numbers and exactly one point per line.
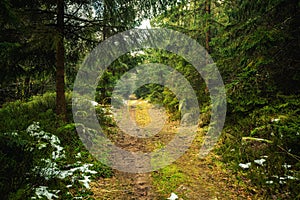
x=168, y=179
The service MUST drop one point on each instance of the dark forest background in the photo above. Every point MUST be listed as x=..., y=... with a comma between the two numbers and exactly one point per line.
x=255, y=44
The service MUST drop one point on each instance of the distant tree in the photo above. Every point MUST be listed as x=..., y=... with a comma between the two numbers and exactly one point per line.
x=40, y=36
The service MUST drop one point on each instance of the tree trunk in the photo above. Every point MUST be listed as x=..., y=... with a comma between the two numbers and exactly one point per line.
x=207, y=34
x=26, y=88
x=105, y=31
x=60, y=68
x=207, y=37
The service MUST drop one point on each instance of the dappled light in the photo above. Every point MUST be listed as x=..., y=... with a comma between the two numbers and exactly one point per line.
x=160, y=99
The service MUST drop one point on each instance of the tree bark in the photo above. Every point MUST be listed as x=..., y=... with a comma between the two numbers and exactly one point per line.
x=105, y=16
x=207, y=38
x=60, y=67
x=207, y=34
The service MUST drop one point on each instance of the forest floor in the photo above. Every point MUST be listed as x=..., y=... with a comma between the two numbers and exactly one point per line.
x=189, y=177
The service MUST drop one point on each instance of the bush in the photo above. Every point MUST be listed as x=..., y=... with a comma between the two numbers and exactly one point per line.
x=35, y=162
x=19, y=115
x=270, y=134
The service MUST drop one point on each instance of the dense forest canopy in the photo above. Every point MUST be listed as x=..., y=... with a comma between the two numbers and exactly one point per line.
x=255, y=45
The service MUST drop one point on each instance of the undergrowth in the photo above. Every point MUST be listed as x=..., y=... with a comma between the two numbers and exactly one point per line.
x=263, y=146
x=41, y=156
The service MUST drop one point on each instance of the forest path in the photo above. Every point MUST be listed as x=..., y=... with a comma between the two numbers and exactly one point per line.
x=189, y=177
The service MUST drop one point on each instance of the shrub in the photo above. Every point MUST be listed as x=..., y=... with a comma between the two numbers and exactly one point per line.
x=270, y=134
x=35, y=162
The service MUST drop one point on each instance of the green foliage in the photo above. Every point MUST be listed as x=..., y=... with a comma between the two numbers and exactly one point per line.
x=29, y=155
x=256, y=48
x=275, y=134
x=19, y=115
x=15, y=161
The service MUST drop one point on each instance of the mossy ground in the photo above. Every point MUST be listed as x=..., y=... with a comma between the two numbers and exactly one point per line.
x=189, y=177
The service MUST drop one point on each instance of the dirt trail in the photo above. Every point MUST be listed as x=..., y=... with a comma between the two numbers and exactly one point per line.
x=126, y=185
x=204, y=179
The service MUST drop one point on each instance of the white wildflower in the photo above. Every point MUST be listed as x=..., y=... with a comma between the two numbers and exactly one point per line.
x=286, y=166
x=42, y=191
x=51, y=169
x=291, y=178
x=78, y=155
x=275, y=120
x=86, y=181
x=84, y=168
x=33, y=127
x=282, y=182
x=245, y=166
x=64, y=173
x=70, y=172
x=260, y=161
x=14, y=134
x=42, y=145
x=269, y=182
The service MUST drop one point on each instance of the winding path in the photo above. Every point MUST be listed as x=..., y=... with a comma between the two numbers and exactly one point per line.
x=205, y=179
